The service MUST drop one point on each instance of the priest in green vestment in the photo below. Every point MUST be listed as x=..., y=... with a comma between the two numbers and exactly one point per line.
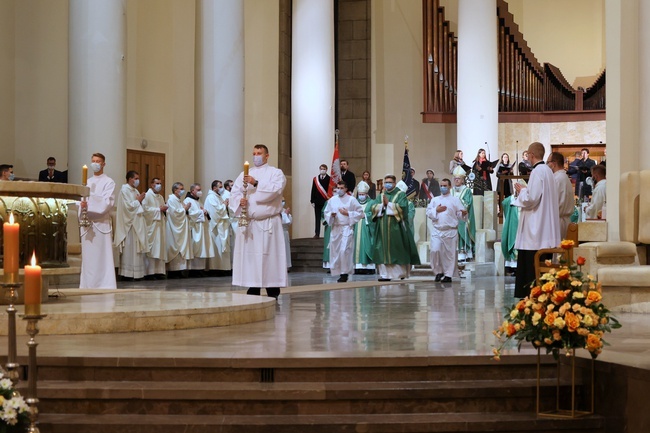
x=466, y=230
x=394, y=251
x=510, y=223
x=363, y=233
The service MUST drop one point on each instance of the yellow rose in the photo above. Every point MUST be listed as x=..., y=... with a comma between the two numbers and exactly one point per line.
x=576, y=283
x=536, y=318
x=593, y=342
x=583, y=331
x=514, y=313
x=548, y=287
x=587, y=320
x=559, y=323
x=567, y=244
x=578, y=295
x=550, y=318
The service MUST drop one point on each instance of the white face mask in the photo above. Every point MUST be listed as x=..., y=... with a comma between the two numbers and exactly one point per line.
x=258, y=160
x=283, y=203
x=323, y=172
x=50, y=167
x=199, y=193
x=96, y=166
x=340, y=192
x=157, y=187
x=181, y=193
x=221, y=190
x=136, y=183
x=362, y=197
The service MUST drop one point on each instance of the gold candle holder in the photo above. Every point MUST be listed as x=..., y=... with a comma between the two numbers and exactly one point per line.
x=84, y=221
x=243, y=217
x=12, y=366
x=32, y=394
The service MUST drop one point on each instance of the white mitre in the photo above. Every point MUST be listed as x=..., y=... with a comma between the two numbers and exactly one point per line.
x=363, y=187
x=402, y=186
x=459, y=172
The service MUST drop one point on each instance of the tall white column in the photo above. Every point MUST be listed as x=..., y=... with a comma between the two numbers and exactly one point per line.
x=644, y=85
x=220, y=149
x=97, y=86
x=312, y=102
x=478, y=78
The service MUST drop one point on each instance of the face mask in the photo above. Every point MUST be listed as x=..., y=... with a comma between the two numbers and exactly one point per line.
x=182, y=193
x=389, y=185
x=220, y=190
x=199, y=193
x=341, y=192
x=136, y=183
x=444, y=190
x=157, y=187
x=258, y=160
x=362, y=197
x=323, y=172
x=283, y=203
x=11, y=176
x=96, y=167
x=335, y=191
x=50, y=167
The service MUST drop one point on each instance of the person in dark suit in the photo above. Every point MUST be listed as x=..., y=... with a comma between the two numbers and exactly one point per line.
x=415, y=185
x=429, y=188
x=584, y=171
x=319, y=187
x=347, y=176
x=50, y=174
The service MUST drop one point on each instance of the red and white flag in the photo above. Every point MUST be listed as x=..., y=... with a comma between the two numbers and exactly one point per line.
x=335, y=175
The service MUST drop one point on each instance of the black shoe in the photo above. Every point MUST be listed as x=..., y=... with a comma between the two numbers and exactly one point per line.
x=383, y=279
x=253, y=291
x=439, y=277
x=343, y=278
x=446, y=280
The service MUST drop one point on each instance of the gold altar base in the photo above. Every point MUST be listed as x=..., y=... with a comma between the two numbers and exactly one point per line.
x=559, y=412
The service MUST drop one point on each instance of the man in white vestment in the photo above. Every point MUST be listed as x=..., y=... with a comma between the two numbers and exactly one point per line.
x=130, y=229
x=220, y=230
x=260, y=256
x=202, y=246
x=155, y=216
x=539, y=218
x=97, y=265
x=227, y=186
x=445, y=211
x=342, y=212
x=287, y=219
x=598, y=197
x=179, y=240
x=565, y=191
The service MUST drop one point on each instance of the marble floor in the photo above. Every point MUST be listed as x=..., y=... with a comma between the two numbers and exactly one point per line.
x=315, y=317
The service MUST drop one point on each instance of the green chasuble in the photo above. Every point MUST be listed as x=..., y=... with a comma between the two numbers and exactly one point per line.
x=363, y=231
x=393, y=241
x=411, y=218
x=510, y=223
x=466, y=237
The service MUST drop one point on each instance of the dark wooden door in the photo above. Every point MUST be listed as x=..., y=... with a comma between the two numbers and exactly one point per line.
x=149, y=165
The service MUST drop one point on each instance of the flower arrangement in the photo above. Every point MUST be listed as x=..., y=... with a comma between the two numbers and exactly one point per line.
x=565, y=311
x=14, y=412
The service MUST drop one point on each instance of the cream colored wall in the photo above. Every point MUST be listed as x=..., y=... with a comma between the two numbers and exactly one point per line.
x=41, y=85
x=160, y=82
x=570, y=35
x=397, y=94
x=7, y=81
x=261, y=47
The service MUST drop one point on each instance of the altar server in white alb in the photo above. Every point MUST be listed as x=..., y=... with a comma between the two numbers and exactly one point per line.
x=220, y=229
x=203, y=248
x=445, y=211
x=130, y=228
x=539, y=218
x=155, y=216
x=97, y=265
x=260, y=256
x=598, y=195
x=287, y=219
x=564, y=190
x=342, y=212
x=179, y=241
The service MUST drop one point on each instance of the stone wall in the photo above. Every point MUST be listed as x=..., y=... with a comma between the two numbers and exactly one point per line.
x=284, y=83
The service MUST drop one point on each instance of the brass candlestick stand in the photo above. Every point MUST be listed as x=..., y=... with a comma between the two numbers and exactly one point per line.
x=84, y=221
x=11, y=292
x=32, y=399
x=243, y=217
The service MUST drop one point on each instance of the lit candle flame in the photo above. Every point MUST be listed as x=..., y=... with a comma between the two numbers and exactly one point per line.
x=34, y=258
x=11, y=218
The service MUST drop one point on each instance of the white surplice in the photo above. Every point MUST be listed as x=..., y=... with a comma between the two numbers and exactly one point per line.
x=156, y=222
x=202, y=246
x=597, y=200
x=179, y=242
x=342, y=234
x=97, y=263
x=130, y=233
x=566, y=200
x=444, y=236
x=220, y=232
x=287, y=219
x=260, y=255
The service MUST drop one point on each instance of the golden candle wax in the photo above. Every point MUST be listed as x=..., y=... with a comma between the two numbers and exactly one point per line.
x=246, y=165
x=10, y=232
x=33, y=284
x=84, y=175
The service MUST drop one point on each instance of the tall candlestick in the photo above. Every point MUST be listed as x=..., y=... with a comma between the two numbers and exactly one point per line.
x=84, y=175
x=246, y=165
x=33, y=284
x=10, y=232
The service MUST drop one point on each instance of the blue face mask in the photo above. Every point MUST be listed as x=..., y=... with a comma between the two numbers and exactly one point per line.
x=182, y=193
x=444, y=190
x=258, y=160
x=389, y=185
x=362, y=197
x=340, y=192
x=11, y=176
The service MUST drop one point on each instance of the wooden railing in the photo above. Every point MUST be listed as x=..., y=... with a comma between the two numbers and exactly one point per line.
x=527, y=90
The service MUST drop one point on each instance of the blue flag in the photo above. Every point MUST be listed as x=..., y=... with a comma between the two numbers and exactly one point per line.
x=406, y=174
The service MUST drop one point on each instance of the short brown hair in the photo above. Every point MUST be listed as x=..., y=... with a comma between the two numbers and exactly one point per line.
x=262, y=146
x=557, y=158
x=99, y=155
x=600, y=169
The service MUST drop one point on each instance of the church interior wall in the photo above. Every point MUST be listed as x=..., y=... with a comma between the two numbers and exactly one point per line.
x=7, y=80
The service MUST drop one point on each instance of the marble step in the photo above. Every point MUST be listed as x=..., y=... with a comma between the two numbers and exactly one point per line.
x=298, y=398
x=512, y=422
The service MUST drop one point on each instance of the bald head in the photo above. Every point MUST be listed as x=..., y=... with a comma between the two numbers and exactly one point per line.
x=536, y=152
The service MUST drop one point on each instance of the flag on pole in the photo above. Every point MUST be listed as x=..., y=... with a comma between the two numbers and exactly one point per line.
x=335, y=173
x=406, y=173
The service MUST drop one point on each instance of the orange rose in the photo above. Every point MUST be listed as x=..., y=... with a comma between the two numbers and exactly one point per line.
x=550, y=318
x=581, y=261
x=564, y=274
x=535, y=292
x=572, y=321
x=593, y=297
x=521, y=305
x=548, y=287
x=567, y=244
x=511, y=329
x=593, y=342
x=558, y=297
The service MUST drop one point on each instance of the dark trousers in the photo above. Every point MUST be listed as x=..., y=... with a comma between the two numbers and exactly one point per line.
x=273, y=292
x=318, y=210
x=526, y=277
